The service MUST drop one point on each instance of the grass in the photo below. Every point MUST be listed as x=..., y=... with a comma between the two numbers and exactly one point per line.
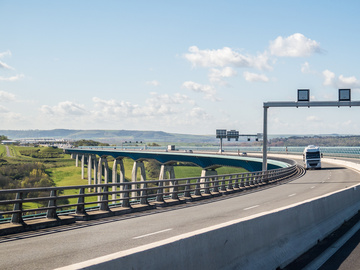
x=2, y=151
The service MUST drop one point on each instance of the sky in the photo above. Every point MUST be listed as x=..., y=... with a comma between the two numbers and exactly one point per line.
x=178, y=66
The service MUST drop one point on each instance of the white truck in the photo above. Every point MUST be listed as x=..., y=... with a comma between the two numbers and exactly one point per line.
x=312, y=157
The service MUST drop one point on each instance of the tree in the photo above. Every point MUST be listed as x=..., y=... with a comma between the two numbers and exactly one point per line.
x=3, y=138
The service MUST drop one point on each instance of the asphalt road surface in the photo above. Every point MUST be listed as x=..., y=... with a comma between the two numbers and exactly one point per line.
x=65, y=245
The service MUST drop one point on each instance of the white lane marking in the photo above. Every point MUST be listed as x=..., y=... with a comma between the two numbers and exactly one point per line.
x=292, y=195
x=149, y=234
x=312, y=187
x=251, y=207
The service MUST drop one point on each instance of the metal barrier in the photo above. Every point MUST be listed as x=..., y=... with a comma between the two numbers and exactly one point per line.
x=129, y=193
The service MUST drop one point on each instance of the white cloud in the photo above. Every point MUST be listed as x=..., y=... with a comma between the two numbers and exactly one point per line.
x=253, y=77
x=156, y=106
x=350, y=82
x=4, y=65
x=225, y=57
x=328, y=77
x=217, y=75
x=313, y=118
x=5, y=96
x=296, y=45
x=3, y=109
x=7, y=53
x=153, y=83
x=199, y=114
x=208, y=90
x=64, y=109
x=305, y=68
x=12, y=78
x=341, y=81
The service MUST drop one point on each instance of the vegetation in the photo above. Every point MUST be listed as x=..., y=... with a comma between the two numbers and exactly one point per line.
x=153, y=144
x=44, y=152
x=316, y=140
x=3, y=138
x=89, y=143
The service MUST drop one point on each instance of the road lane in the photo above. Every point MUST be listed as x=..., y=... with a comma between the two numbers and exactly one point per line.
x=89, y=240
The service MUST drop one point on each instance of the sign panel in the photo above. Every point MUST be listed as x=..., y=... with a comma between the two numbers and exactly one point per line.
x=344, y=94
x=303, y=95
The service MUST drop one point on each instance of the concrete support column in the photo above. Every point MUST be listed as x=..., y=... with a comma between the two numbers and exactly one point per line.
x=95, y=164
x=106, y=171
x=205, y=180
x=99, y=176
x=100, y=170
x=89, y=167
x=77, y=160
x=173, y=190
x=139, y=164
x=83, y=167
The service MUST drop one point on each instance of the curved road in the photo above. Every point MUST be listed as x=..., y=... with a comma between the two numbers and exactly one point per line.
x=65, y=245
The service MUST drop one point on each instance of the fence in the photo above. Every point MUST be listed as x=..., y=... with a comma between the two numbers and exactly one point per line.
x=106, y=196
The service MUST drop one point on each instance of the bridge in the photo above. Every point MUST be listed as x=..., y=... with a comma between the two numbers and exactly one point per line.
x=243, y=229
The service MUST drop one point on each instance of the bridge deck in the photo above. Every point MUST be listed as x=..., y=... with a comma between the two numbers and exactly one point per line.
x=202, y=160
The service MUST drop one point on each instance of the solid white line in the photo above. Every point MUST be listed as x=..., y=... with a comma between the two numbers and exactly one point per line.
x=251, y=207
x=149, y=234
x=292, y=195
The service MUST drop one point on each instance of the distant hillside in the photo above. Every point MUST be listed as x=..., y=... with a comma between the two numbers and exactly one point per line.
x=109, y=136
x=329, y=140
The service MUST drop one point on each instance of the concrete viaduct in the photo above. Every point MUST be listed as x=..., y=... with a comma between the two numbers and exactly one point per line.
x=98, y=167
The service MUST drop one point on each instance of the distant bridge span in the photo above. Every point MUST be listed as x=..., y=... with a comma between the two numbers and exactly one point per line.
x=205, y=161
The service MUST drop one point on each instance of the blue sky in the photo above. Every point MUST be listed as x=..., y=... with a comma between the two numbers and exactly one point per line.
x=178, y=66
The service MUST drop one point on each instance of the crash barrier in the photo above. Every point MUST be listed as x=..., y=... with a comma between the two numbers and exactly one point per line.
x=268, y=240
x=55, y=201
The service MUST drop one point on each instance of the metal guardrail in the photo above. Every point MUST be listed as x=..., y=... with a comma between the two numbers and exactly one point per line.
x=126, y=194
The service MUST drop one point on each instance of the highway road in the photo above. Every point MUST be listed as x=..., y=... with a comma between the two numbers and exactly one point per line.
x=65, y=245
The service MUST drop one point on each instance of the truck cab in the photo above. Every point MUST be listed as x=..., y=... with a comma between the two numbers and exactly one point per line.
x=312, y=157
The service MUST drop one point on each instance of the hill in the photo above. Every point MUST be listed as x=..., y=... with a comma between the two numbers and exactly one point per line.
x=109, y=136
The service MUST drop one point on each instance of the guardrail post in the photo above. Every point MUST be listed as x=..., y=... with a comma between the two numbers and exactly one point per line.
x=197, y=187
x=230, y=186
x=51, y=213
x=80, y=209
x=215, y=186
x=125, y=196
x=265, y=177
x=251, y=179
x=223, y=184
x=187, y=189
x=236, y=184
x=17, y=217
x=242, y=180
x=104, y=204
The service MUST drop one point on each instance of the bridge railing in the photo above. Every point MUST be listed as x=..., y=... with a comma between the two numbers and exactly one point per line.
x=54, y=201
